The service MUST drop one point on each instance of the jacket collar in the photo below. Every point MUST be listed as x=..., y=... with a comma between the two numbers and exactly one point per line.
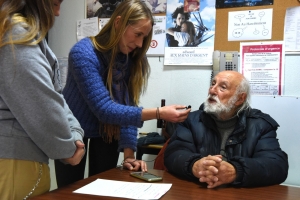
x=210, y=123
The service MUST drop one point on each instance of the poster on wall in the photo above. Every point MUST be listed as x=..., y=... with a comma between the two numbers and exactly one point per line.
x=262, y=64
x=158, y=37
x=242, y=3
x=87, y=27
x=250, y=25
x=156, y=6
x=101, y=8
x=102, y=22
x=190, y=29
x=105, y=8
x=292, y=29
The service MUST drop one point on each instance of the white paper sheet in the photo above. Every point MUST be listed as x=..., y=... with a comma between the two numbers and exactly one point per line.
x=123, y=189
x=250, y=25
x=102, y=22
x=87, y=27
x=157, y=47
x=292, y=29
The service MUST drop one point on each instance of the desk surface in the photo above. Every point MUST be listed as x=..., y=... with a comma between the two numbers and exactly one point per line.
x=180, y=189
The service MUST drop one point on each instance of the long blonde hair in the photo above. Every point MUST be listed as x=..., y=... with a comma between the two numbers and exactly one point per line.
x=107, y=40
x=36, y=16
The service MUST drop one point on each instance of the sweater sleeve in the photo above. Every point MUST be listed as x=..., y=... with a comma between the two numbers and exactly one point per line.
x=86, y=69
x=28, y=92
x=128, y=138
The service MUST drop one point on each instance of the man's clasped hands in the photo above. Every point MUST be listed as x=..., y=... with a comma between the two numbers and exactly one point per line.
x=214, y=171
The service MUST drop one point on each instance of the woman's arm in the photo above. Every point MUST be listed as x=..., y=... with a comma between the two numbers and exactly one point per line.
x=84, y=65
x=172, y=113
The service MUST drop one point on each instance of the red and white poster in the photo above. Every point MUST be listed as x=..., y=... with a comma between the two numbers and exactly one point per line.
x=262, y=63
x=157, y=46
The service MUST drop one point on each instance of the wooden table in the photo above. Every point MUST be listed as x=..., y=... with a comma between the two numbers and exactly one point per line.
x=181, y=189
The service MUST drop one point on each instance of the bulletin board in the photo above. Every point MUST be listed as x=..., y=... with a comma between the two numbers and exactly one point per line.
x=221, y=37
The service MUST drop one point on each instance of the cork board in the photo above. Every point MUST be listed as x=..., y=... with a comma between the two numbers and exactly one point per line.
x=221, y=35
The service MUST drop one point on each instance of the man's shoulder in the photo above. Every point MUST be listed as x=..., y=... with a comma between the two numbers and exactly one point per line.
x=197, y=117
x=195, y=114
x=258, y=114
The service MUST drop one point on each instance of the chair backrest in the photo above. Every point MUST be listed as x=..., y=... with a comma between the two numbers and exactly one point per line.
x=167, y=132
x=159, y=160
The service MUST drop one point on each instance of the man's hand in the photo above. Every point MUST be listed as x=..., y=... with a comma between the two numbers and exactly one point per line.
x=226, y=174
x=213, y=171
x=207, y=167
x=79, y=153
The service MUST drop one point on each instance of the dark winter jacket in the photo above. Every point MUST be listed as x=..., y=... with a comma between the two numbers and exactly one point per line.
x=252, y=148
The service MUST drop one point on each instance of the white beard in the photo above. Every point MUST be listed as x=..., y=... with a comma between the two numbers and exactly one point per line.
x=217, y=108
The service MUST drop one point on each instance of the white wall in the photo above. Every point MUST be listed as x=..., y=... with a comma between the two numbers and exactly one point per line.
x=177, y=84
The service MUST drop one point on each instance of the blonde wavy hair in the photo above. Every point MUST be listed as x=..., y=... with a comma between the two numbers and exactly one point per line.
x=107, y=40
x=36, y=16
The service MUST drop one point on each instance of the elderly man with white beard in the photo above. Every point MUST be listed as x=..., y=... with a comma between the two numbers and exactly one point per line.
x=226, y=142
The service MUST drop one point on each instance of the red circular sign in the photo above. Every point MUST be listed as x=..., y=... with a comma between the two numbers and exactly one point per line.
x=153, y=44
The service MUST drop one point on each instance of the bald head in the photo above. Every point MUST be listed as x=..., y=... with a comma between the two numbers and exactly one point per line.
x=232, y=77
x=227, y=94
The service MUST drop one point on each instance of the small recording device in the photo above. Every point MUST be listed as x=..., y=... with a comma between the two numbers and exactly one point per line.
x=146, y=176
x=188, y=107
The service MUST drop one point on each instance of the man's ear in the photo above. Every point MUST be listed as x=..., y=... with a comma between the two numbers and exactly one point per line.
x=241, y=99
x=117, y=22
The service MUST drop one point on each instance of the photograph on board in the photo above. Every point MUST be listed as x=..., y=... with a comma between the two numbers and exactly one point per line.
x=156, y=6
x=101, y=8
x=105, y=8
x=191, y=5
x=242, y=3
